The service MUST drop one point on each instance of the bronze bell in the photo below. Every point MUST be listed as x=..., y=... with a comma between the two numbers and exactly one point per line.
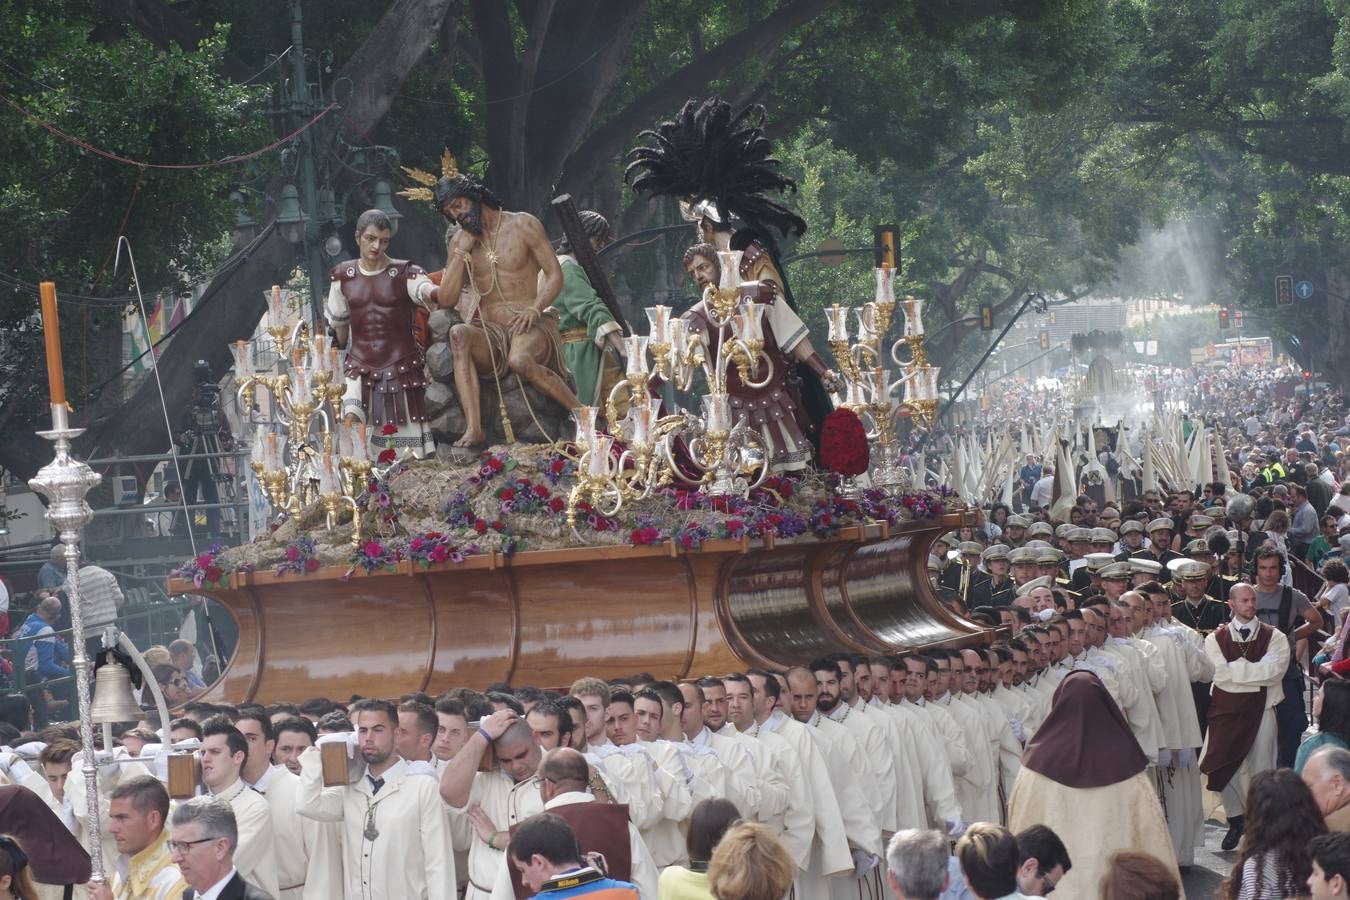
x=113, y=700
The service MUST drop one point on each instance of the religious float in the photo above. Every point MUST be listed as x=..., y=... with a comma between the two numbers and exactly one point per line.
x=665, y=543
x=654, y=536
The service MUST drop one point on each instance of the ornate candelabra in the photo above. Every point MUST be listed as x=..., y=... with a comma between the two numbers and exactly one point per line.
x=641, y=451
x=299, y=464
x=868, y=387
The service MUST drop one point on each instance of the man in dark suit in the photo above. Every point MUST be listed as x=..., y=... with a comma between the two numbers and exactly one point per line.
x=204, y=835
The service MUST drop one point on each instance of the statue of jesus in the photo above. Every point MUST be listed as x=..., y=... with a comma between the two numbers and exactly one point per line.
x=506, y=261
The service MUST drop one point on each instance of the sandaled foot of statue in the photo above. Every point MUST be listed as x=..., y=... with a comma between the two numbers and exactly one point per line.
x=502, y=274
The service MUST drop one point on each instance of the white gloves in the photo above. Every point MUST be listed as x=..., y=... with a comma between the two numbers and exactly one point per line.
x=863, y=863
x=347, y=737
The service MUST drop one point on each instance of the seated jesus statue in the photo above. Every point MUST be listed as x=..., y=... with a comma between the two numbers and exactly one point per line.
x=506, y=262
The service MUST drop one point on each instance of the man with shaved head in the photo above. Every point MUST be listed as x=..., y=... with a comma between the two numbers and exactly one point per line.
x=797, y=827
x=850, y=773
x=1180, y=777
x=495, y=800
x=828, y=854
x=603, y=828
x=745, y=780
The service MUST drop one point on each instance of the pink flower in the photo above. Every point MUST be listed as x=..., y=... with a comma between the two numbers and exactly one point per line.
x=311, y=565
x=372, y=549
x=293, y=553
x=415, y=544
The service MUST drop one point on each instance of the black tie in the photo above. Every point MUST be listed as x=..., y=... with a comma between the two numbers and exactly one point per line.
x=375, y=784
x=1242, y=630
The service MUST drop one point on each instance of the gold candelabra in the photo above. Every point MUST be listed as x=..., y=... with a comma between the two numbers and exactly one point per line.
x=312, y=455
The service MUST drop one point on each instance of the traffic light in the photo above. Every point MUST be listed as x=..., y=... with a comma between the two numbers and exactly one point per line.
x=1237, y=318
x=986, y=317
x=1284, y=290
x=1307, y=376
x=1223, y=320
x=1045, y=339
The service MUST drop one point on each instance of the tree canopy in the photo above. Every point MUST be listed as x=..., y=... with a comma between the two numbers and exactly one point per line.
x=1020, y=147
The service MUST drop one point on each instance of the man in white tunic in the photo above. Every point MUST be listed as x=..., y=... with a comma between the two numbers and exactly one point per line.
x=396, y=843
x=223, y=753
x=873, y=738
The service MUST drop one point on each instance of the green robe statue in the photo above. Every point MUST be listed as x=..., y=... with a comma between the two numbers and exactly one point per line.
x=584, y=322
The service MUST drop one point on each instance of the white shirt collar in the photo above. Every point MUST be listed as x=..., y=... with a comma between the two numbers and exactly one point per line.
x=702, y=738
x=215, y=890
x=1252, y=627
x=774, y=720
x=566, y=798
x=261, y=784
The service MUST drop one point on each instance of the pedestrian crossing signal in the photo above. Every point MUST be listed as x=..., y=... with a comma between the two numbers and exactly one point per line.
x=1045, y=340
x=1284, y=290
x=1237, y=318
x=1223, y=319
x=986, y=317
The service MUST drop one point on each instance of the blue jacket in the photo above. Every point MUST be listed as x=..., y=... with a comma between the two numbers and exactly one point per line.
x=42, y=653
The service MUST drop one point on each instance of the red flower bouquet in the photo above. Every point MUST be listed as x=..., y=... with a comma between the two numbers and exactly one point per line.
x=843, y=444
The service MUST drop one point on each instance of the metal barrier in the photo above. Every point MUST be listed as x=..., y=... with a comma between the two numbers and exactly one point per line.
x=137, y=623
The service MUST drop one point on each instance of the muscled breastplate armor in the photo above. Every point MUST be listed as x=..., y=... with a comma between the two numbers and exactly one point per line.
x=382, y=316
x=383, y=351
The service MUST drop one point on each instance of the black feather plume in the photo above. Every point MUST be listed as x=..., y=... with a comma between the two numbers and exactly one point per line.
x=707, y=153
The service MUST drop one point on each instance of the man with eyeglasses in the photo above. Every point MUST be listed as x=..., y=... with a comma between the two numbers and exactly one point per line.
x=202, y=846
x=1045, y=860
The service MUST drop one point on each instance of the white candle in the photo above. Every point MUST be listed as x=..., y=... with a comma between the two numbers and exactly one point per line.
x=643, y=415
x=243, y=360
x=659, y=319
x=584, y=418
x=867, y=322
x=598, y=461
x=749, y=321
x=730, y=261
x=274, y=316
x=299, y=385
x=885, y=285
x=717, y=412
x=837, y=317
x=273, y=452
x=636, y=346
x=362, y=443
x=320, y=353
x=913, y=316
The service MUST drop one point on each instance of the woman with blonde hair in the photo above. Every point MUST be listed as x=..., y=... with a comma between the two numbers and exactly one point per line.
x=750, y=863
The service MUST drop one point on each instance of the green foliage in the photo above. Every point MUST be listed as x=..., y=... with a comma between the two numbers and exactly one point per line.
x=117, y=92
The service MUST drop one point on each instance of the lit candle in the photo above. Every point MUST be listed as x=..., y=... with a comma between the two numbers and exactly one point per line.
x=321, y=353
x=598, y=462
x=636, y=346
x=273, y=453
x=299, y=385
x=643, y=416
x=913, y=316
x=749, y=318
x=333, y=361
x=51, y=334
x=659, y=318
x=243, y=360
x=885, y=285
x=584, y=418
x=274, y=307
x=867, y=322
x=838, y=320
x=730, y=261
x=717, y=412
